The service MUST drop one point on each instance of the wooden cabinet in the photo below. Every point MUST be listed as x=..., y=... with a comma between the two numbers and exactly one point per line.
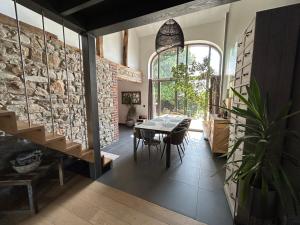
x=216, y=131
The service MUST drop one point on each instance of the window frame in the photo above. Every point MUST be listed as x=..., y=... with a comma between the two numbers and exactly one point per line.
x=159, y=80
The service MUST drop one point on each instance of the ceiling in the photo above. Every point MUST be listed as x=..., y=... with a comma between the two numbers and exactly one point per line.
x=205, y=16
x=101, y=17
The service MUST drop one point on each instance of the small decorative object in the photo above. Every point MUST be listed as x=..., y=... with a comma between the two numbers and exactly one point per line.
x=169, y=35
x=131, y=115
x=130, y=123
x=27, y=162
x=131, y=97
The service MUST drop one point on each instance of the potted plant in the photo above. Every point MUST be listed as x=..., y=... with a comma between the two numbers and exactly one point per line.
x=262, y=179
x=131, y=114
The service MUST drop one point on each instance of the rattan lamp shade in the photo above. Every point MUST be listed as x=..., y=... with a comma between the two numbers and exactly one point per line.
x=169, y=35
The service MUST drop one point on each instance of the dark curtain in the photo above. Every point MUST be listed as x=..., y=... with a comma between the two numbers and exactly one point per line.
x=214, y=94
x=150, y=100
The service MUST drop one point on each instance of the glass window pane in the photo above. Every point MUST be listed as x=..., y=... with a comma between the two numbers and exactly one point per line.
x=182, y=56
x=215, y=61
x=167, y=97
x=197, y=55
x=167, y=60
x=197, y=99
x=154, y=69
x=181, y=103
x=155, y=107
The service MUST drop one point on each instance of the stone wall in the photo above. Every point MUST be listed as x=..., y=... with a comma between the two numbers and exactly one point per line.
x=65, y=89
x=107, y=100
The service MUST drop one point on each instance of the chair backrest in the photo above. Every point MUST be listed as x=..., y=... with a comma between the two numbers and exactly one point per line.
x=137, y=133
x=147, y=134
x=177, y=136
x=185, y=123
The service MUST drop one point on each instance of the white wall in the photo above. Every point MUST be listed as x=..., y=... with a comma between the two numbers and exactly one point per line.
x=123, y=109
x=213, y=32
x=240, y=15
x=28, y=16
x=133, y=49
x=113, y=48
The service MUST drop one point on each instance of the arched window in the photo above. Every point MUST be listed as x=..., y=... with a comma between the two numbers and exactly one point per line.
x=167, y=94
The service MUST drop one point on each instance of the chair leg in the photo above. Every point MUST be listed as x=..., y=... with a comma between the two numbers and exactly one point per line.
x=186, y=141
x=163, y=151
x=156, y=147
x=179, y=153
x=137, y=146
x=149, y=145
x=183, y=146
x=181, y=149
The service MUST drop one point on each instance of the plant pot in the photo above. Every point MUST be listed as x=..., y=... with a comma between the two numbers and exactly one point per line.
x=260, y=206
x=130, y=123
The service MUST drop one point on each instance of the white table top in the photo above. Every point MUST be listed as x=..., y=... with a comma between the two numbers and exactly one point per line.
x=165, y=123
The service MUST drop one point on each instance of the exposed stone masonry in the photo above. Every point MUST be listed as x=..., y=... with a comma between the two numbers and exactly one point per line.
x=68, y=109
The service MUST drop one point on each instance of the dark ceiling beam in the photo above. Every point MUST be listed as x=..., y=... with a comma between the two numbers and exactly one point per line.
x=164, y=14
x=51, y=13
x=80, y=7
x=103, y=17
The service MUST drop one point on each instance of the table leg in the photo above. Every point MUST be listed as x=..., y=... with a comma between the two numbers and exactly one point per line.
x=32, y=199
x=61, y=171
x=134, y=149
x=168, y=154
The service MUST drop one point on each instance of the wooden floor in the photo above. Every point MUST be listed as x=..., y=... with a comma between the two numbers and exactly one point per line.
x=83, y=202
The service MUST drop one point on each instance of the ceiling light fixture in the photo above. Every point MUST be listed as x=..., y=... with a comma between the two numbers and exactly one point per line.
x=169, y=35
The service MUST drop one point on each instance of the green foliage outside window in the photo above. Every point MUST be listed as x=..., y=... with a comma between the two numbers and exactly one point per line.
x=195, y=87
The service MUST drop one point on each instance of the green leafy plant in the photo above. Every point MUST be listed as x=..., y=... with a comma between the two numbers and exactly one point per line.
x=261, y=163
x=194, y=82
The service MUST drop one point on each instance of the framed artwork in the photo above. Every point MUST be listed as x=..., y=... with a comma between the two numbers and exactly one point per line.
x=133, y=96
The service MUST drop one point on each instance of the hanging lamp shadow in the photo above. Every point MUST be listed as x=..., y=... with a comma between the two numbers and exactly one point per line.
x=169, y=35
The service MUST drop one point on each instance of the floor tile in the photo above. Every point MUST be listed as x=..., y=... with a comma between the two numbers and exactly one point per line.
x=212, y=208
x=192, y=187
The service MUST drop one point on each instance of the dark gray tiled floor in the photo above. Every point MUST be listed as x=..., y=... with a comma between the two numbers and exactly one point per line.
x=192, y=188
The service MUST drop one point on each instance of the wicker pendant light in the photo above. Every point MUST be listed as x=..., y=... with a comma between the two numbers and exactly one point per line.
x=169, y=35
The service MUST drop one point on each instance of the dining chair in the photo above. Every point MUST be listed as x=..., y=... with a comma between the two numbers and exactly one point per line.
x=185, y=124
x=149, y=140
x=137, y=135
x=175, y=138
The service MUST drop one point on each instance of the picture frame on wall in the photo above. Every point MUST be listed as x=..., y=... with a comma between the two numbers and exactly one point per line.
x=134, y=96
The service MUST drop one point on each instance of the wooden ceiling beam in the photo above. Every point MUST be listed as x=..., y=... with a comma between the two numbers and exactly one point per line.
x=99, y=46
x=125, y=48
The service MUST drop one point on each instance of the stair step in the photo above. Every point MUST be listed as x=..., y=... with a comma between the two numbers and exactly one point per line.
x=24, y=127
x=8, y=121
x=37, y=134
x=73, y=149
x=88, y=155
x=49, y=137
x=70, y=145
x=6, y=113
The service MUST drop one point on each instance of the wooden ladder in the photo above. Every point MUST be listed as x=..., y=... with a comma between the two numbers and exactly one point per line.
x=37, y=134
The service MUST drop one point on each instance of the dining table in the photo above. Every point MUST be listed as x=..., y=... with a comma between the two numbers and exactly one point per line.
x=164, y=124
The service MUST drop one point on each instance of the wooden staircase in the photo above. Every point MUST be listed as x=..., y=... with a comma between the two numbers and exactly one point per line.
x=37, y=134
